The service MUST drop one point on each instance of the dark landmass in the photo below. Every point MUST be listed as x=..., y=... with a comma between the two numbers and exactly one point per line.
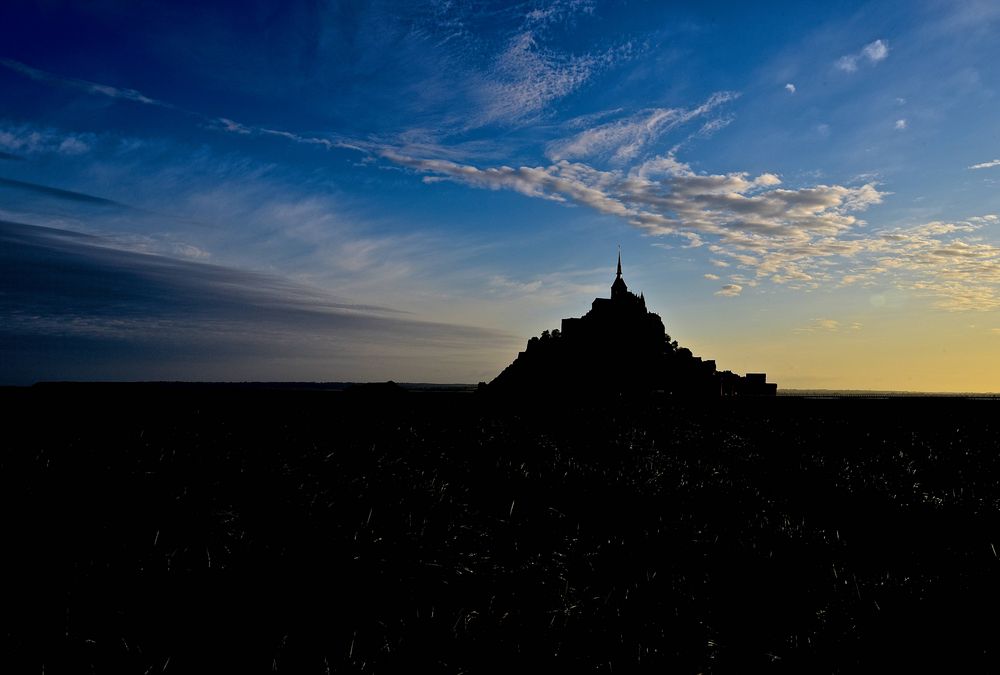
x=173, y=528
x=619, y=346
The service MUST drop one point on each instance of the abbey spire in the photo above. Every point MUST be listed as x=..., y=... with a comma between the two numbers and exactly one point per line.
x=619, y=289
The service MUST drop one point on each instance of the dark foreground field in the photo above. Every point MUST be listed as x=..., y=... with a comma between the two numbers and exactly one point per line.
x=226, y=530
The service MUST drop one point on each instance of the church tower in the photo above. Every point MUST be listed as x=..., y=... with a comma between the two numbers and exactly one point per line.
x=619, y=289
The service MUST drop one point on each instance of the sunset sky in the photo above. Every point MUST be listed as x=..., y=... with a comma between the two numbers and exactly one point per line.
x=408, y=191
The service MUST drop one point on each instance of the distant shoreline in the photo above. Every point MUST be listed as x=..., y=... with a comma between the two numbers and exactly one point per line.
x=875, y=393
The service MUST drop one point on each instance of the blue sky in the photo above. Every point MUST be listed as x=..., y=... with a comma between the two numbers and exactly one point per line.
x=329, y=191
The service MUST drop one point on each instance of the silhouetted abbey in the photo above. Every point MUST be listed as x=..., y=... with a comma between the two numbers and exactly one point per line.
x=620, y=346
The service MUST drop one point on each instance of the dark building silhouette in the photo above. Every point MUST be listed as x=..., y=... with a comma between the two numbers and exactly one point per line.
x=620, y=346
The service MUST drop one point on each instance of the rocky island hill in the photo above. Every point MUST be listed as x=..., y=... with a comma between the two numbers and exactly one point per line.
x=620, y=346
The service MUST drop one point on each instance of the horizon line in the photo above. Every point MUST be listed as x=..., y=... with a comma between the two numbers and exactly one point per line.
x=788, y=392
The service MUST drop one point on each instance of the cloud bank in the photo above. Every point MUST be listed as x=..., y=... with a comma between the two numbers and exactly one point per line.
x=778, y=232
x=65, y=294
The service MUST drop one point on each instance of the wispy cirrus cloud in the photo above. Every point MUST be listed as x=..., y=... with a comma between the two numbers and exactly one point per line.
x=623, y=140
x=871, y=53
x=525, y=77
x=531, y=61
x=553, y=288
x=328, y=142
x=986, y=165
x=31, y=139
x=560, y=10
x=830, y=326
x=28, y=139
x=507, y=64
x=57, y=193
x=84, y=85
x=504, y=85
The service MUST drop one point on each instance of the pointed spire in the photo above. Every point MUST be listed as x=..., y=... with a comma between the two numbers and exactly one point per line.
x=618, y=288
